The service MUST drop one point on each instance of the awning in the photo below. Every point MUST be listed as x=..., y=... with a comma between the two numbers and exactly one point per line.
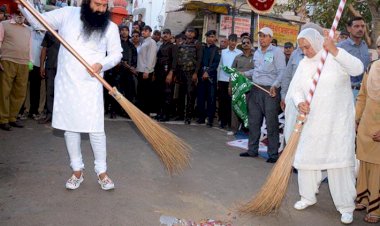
x=216, y=6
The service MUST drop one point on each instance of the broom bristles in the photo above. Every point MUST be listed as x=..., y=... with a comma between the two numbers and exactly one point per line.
x=173, y=152
x=273, y=191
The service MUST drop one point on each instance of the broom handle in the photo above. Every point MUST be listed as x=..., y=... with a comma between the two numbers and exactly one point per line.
x=324, y=53
x=67, y=46
x=261, y=88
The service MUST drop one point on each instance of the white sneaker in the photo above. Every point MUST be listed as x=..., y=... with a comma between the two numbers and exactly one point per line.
x=106, y=183
x=74, y=182
x=301, y=205
x=347, y=218
x=230, y=133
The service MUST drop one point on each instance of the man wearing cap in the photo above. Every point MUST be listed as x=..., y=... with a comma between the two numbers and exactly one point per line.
x=15, y=40
x=146, y=60
x=357, y=47
x=187, y=63
x=164, y=75
x=288, y=50
x=207, y=79
x=269, y=64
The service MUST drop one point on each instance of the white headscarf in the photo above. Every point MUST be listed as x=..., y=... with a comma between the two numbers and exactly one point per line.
x=313, y=37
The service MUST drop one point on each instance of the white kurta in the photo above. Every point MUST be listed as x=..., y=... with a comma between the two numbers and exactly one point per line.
x=78, y=97
x=328, y=137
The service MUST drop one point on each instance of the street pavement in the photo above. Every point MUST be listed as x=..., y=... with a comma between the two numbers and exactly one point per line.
x=34, y=167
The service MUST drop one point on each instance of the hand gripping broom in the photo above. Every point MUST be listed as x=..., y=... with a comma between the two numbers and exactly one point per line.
x=172, y=151
x=273, y=191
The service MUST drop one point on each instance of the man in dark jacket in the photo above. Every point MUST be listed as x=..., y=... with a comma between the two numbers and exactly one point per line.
x=207, y=79
x=164, y=75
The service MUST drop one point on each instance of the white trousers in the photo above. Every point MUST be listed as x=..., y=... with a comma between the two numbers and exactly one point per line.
x=341, y=184
x=98, y=144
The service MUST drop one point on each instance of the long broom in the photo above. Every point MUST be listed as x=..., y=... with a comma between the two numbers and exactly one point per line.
x=273, y=191
x=172, y=151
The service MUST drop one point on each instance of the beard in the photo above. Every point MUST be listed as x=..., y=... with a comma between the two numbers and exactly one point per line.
x=93, y=22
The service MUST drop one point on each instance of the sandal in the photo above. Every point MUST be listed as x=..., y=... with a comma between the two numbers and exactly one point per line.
x=371, y=218
x=360, y=207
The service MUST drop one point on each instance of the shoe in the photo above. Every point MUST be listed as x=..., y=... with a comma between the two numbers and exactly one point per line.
x=230, y=133
x=201, y=121
x=246, y=154
x=74, y=182
x=163, y=118
x=209, y=125
x=5, y=126
x=45, y=120
x=16, y=124
x=301, y=205
x=371, y=218
x=112, y=115
x=347, y=218
x=106, y=183
x=24, y=115
x=271, y=160
x=179, y=118
x=187, y=121
x=38, y=116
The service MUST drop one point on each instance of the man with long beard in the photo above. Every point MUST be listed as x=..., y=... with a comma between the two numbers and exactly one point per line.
x=78, y=100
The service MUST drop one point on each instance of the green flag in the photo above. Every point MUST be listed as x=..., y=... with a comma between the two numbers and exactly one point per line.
x=240, y=86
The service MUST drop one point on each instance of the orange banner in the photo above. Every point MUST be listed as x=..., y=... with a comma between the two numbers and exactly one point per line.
x=282, y=31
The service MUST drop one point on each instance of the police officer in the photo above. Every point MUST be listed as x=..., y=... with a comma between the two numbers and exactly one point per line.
x=187, y=61
x=164, y=75
x=207, y=79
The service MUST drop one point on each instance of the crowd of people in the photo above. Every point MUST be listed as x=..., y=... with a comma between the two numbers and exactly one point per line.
x=177, y=77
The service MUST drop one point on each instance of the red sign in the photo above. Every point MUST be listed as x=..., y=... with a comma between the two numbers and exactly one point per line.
x=261, y=6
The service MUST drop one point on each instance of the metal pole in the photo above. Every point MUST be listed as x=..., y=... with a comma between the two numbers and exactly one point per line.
x=253, y=16
x=233, y=17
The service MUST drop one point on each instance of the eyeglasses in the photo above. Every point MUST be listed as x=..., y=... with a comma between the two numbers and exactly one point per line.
x=135, y=36
x=288, y=47
x=245, y=43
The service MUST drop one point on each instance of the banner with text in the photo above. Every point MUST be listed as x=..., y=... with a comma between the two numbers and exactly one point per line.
x=282, y=31
x=242, y=24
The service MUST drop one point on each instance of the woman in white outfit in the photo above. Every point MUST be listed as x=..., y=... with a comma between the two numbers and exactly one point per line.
x=327, y=141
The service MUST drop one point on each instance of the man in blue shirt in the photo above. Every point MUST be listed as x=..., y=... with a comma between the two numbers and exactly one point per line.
x=356, y=47
x=269, y=62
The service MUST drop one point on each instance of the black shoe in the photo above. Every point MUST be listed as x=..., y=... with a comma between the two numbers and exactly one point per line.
x=271, y=160
x=246, y=154
x=179, y=118
x=16, y=124
x=112, y=115
x=187, y=121
x=209, y=125
x=5, y=126
x=164, y=119
x=201, y=121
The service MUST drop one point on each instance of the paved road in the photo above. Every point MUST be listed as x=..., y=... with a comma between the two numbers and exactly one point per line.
x=34, y=168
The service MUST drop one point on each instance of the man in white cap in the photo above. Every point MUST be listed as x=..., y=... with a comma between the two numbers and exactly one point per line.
x=269, y=64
